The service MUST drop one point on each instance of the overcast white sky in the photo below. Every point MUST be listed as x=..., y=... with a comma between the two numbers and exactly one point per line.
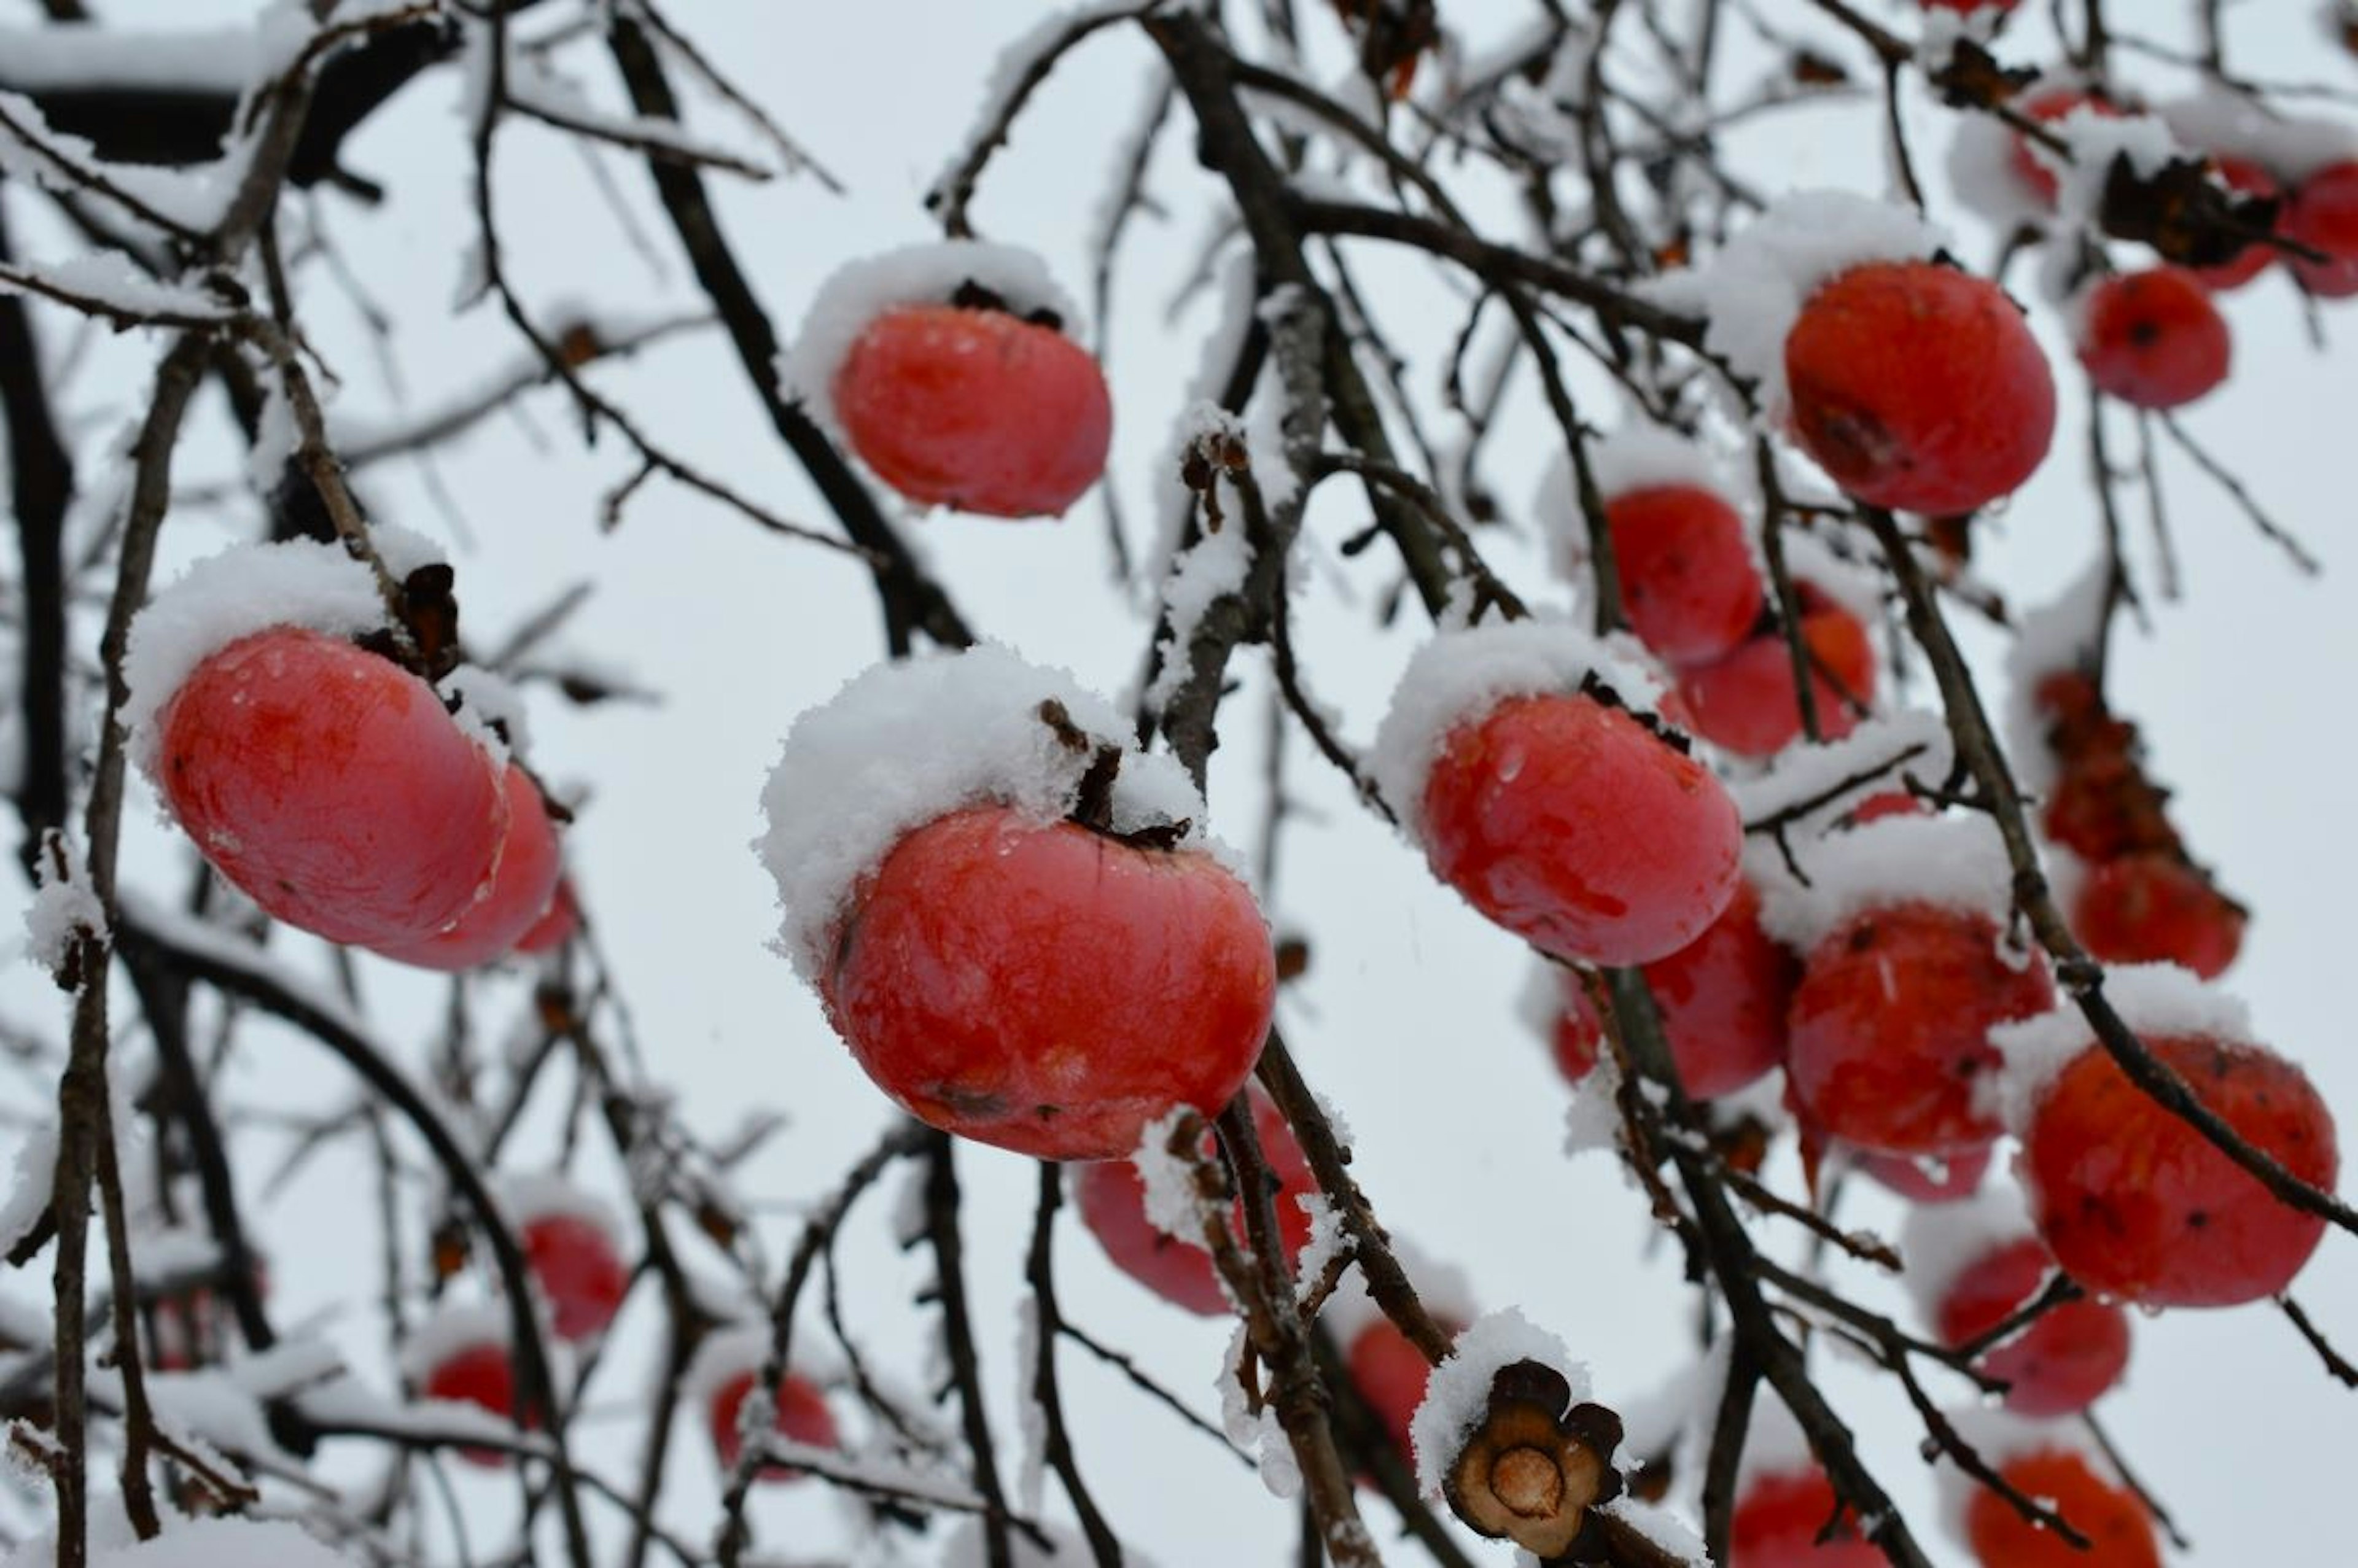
x=1407, y=1019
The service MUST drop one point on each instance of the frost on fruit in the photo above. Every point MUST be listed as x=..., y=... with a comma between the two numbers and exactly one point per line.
x=1949, y=862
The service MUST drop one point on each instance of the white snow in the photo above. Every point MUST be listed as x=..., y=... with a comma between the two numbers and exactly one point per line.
x=525, y=1197
x=2062, y=634
x=211, y=1543
x=1593, y=1120
x=1211, y=568
x=28, y=1194
x=906, y=742
x=2097, y=140
x=1807, y=770
x=484, y=700
x=1460, y=676
x=1950, y=862
x=452, y=1329
x=1677, y=1539
x=925, y=273
x=1257, y=1432
x=1458, y=1395
x=106, y=284
x=2236, y=124
x=1172, y=1204
x=67, y=907
x=2156, y=1001
x=241, y=590
x=216, y=60
x=1752, y=290
x=1939, y=1242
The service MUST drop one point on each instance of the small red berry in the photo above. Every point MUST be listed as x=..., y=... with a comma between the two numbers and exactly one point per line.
x=1746, y=702
x=333, y=786
x=1687, y=577
x=1919, y=387
x=975, y=408
x=1112, y=1200
x=2118, y=1528
x=2323, y=215
x=2051, y=108
x=520, y=894
x=803, y=1417
x=2154, y=908
x=1777, y=1520
x=2244, y=177
x=2154, y=340
x=480, y=1375
x=1570, y=823
x=2068, y=1358
x=1890, y=1027
x=2136, y=1204
x=584, y=1279
x=1047, y=989
x=1958, y=1176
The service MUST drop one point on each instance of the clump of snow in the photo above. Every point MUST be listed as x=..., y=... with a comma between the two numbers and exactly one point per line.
x=1817, y=773
x=2156, y=1001
x=1458, y=1394
x=525, y=1196
x=28, y=1194
x=1940, y=1241
x=1854, y=585
x=214, y=1543
x=67, y=908
x=490, y=709
x=243, y=590
x=908, y=742
x=2001, y=1439
x=1255, y=1428
x=108, y=284
x=1212, y=569
x=1593, y=1120
x=1752, y=290
x=2238, y=124
x=1671, y=1534
x=1460, y=676
x=1982, y=172
x=926, y=273
x=454, y=1329
x=1172, y=1203
x=1950, y=862
x=743, y=1348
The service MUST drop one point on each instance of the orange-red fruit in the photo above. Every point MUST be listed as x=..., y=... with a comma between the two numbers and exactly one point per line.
x=557, y=924
x=2157, y=909
x=582, y=1277
x=1890, y=1027
x=520, y=894
x=803, y=1417
x=2154, y=340
x=2136, y=1203
x=1570, y=823
x=1777, y=1520
x=2323, y=215
x=1687, y=577
x=1919, y=387
x=2048, y=108
x=1722, y=998
x=1391, y=1374
x=1046, y=988
x=1746, y=703
x=480, y=1375
x=1112, y=1200
x=2244, y=177
x=332, y=787
x=977, y=409
x=2119, y=1530
x=2068, y=1358
x=1959, y=1176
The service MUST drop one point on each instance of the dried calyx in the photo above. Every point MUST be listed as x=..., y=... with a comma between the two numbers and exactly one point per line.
x=1531, y=1470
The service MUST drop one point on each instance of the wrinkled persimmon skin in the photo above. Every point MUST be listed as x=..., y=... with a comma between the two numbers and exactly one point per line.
x=2064, y=1361
x=480, y=1375
x=1048, y=989
x=2323, y=215
x=580, y=1273
x=1959, y=1176
x=1890, y=1027
x=1919, y=387
x=1687, y=577
x=2136, y=1203
x=2119, y=1530
x=803, y=1417
x=1746, y=703
x=2244, y=177
x=976, y=410
x=1776, y=1525
x=1573, y=826
x=1111, y=1198
x=2154, y=340
x=520, y=894
x=1722, y=998
x=2156, y=909
x=1391, y=1374
x=332, y=787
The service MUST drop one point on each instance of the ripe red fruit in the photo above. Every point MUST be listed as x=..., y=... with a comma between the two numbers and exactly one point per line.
x=1959, y=1176
x=1779, y=1518
x=1112, y=1200
x=1570, y=823
x=1047, y=989
x=1890, y=1027
x=2064, y=1361
x=2244, y=177
x=2154, y=908
x=332, y=787
x=2103, y=807
x=2136, y=1203
x=803, y=1417
x=2323, y=215
x=975, y=408
x=1687, y=577
x=1919, y=387
x=1722, y=998
x=557, y=925
x=573, y=1259
x=2119, y=1530
x=2154, y=340
x=520, y=894
x=1746, y=704
x=480, y=1375
x=2051, y=108
x=1391, y=1374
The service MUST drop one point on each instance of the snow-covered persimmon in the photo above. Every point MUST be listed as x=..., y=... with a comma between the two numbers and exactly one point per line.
x=2323, y=214
x=1790, y=1519
x=332, y=787
x=2051, y=107
x=976, y=408
x=582, y=1276
x=2118, y=1528
x=2154, y=340
x=803, y=1416
x=2155, y=908
x=520, y=896
x=1688, y=580
x=1391, y=1374
x=2244, y=177
x=1746, y=703
x=479, y=1374
x=1919, y=387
